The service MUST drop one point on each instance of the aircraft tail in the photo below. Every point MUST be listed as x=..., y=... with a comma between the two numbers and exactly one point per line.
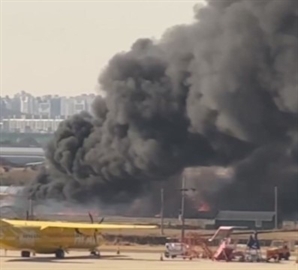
x=8, y=230
x=3, y=225
x=5, y=234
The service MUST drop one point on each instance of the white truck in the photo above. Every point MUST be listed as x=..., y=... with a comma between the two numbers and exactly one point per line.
x=174, y=250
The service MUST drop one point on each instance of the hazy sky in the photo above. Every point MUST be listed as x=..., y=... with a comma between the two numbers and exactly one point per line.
x=60, y=47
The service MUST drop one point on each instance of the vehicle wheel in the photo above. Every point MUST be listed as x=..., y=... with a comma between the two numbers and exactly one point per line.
x=60, y=254
x=95, y=253
x=287, y=256
x=25, y=254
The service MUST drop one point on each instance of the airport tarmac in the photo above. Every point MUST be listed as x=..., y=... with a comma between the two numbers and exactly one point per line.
x=127, y=261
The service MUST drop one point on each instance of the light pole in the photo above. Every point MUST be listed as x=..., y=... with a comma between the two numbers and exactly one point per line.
x=183, y=190
x=276, y=206
x=161, y=211
x=182, y=209
x=30, y=211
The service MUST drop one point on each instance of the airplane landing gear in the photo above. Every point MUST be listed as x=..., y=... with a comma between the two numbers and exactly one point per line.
x=95, y=253
x=25, y=254
x=60, y=254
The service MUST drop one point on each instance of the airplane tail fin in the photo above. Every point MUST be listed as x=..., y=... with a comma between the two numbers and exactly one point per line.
x=4, y=223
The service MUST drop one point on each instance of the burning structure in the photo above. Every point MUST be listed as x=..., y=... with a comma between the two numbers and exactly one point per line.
x=219, y=92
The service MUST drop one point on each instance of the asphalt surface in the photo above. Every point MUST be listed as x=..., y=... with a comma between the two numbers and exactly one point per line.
x=127, y=261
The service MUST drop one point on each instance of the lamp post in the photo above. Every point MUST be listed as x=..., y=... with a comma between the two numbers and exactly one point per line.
x=30, y=211
x=276, y=206
x=161, y=211
x=182, y=209
x=182, y=216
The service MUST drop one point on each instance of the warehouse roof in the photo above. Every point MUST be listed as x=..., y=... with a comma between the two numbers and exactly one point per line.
x=245, y=215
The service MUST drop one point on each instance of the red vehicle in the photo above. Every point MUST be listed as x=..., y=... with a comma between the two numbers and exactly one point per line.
x=278, y=251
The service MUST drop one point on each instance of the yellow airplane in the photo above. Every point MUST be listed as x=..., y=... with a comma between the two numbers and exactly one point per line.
x=55, y=237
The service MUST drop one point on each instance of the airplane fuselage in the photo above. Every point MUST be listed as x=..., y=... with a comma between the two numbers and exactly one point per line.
x=46, y=242
x=55, y=236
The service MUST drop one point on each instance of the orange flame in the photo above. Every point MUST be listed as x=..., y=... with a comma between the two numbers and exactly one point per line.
x=204, y=207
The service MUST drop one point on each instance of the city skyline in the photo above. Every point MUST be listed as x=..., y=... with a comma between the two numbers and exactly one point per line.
x=26, y=113
x=62, y=47
x=50, y=95
x=51, y=106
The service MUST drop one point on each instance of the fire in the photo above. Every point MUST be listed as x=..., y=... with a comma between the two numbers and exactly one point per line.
x=204, y=207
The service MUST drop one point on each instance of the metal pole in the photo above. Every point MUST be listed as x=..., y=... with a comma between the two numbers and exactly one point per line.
x=276, y=206
x=182, y=209
x=30, y=209
x=161, y=211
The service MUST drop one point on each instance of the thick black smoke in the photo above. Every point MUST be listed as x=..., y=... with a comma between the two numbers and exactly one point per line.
x=221, y=91
x=256, y=177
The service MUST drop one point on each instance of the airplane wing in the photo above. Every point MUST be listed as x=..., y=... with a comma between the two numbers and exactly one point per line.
x=72, y=225
x=86, y=226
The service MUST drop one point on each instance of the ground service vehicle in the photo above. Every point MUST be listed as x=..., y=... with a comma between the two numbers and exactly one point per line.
x=278, y=250
x=175, y=249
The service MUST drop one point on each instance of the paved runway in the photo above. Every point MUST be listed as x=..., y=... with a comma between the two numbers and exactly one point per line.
x=128, y=261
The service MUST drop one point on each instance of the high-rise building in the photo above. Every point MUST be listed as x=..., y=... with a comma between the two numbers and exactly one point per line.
x=55, y=107
x=79, y=105
x=48, y=106
x=44, y=108
x=27, y=103
x=16, y=104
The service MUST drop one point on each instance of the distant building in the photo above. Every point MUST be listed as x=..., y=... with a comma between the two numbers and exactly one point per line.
x=89, y=102
x=246, y=219
x=44, y=108
x=30, y=125
x=27, y=103
x=15, y=104
x=49, y=106
x=55, y=107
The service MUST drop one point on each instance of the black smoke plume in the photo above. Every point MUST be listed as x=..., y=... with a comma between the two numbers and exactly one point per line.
x=221, y=91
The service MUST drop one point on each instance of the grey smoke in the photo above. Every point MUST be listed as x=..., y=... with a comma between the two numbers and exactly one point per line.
x=221, y=91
